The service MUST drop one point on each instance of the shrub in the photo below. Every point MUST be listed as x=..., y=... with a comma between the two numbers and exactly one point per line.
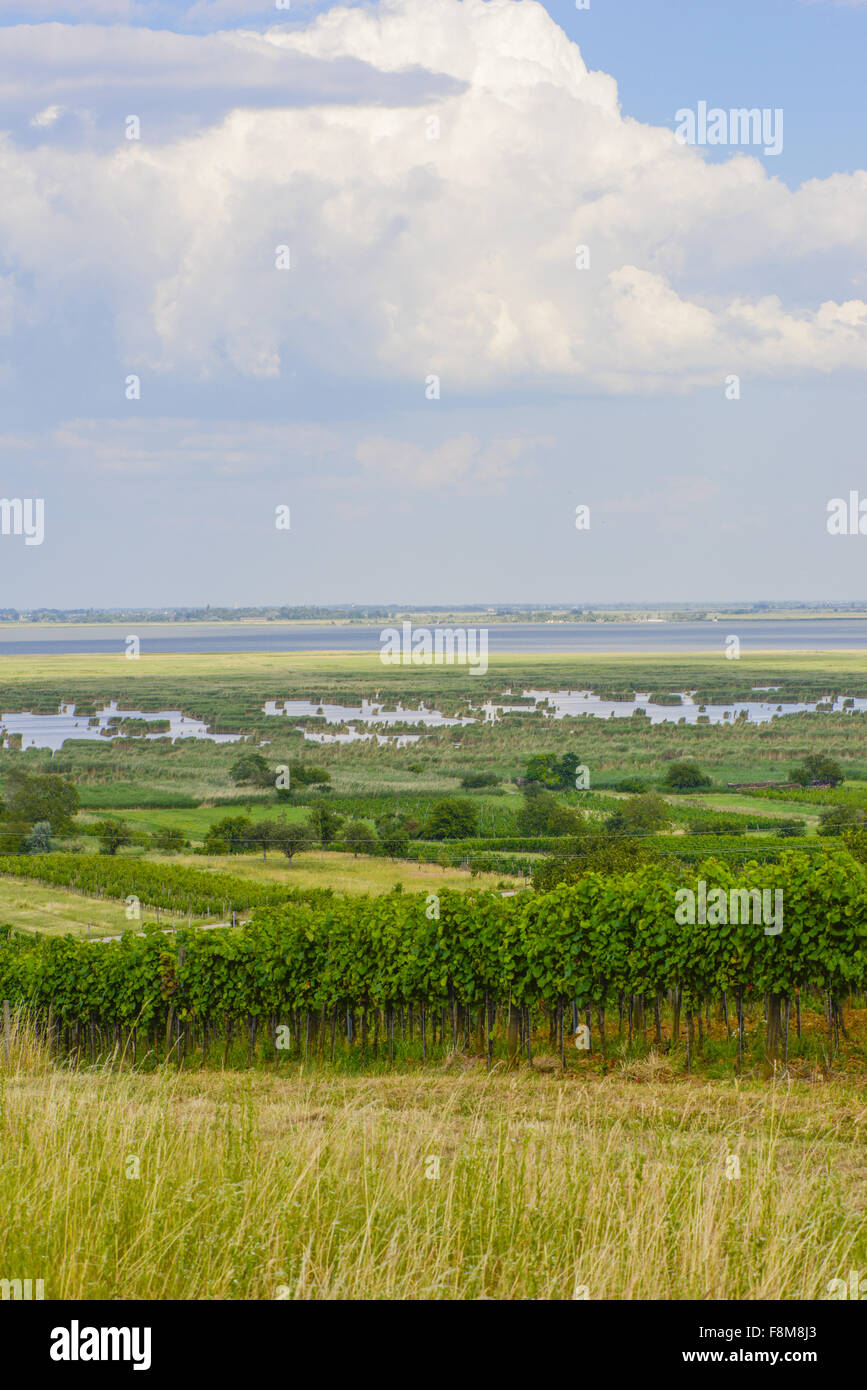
x=685, y=776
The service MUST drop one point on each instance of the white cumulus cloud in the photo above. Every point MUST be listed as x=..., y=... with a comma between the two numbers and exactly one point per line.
x=438, y=235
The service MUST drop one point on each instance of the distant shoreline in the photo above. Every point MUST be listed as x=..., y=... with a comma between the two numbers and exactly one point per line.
x=478, y=618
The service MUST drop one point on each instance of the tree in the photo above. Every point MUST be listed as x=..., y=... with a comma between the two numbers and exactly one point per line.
x=291, y=837
x=543, y=814
x=556, y=774
x=253, y=769
x=452, y=820
x=542, y=768
x=13, y=834
x=169, y=840
x=325, y=824
x=393, y=836
x=304, y=775
x=816, y=767
x=32, y=797
x=685, y=776
x=640, y=815
x=231, y=835
x=39, y=839
x=112, y=834
x=359, y=837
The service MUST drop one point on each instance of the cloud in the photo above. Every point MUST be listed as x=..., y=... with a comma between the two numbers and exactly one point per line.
x=436, y=234
x=458, y=464
x=113, y=11
x=152, y=12
x=190, y=450
x=177, y=84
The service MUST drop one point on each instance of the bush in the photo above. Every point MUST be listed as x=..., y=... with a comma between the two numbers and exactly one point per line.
x=452, y=820
x=253, y=769
x=718, y=825
x=168, y=840
x=685, y=776
x=543, y=814
x=39, y=839
x=640, y=814
x=841, y=818
x=791, y=828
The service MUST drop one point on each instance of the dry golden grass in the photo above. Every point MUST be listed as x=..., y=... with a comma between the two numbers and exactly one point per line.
x=315, y=1185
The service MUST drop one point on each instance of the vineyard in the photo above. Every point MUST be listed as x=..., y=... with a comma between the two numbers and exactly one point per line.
x=202, y=893
x=413, y=972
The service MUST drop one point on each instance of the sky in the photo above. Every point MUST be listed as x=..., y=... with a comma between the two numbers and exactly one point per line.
x=431, y=274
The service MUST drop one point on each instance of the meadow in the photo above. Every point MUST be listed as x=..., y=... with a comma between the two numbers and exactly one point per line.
x=318, y=1184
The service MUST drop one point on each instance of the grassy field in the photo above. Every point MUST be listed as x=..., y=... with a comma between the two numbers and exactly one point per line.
x=436, y=1185
x=291, y=665
x=331, y=869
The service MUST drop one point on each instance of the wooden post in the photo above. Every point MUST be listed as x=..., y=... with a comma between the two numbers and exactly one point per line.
x=512, y=1035
x=7, y=1030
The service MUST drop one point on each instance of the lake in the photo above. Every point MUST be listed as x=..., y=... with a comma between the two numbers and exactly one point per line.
x=819, y=634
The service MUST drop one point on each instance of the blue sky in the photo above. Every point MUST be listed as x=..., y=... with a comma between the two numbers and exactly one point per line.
x=432, y=167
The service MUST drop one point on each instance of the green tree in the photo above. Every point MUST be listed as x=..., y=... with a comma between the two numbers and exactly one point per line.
x=543, y=814
x=232, y=835
x=292, y=837
x=253, y=769
x=452, y=820
x=39, y=839
x=685, y=776
x=551, y=772
x=393, y=836
x=32, y=797
x=640, y=815
x=816, y=767
x=168, y=840
x=358, y=837
x=325, y=824
x=112, y=834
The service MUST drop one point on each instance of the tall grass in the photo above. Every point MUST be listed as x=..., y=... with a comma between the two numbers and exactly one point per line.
x=454, y=1184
